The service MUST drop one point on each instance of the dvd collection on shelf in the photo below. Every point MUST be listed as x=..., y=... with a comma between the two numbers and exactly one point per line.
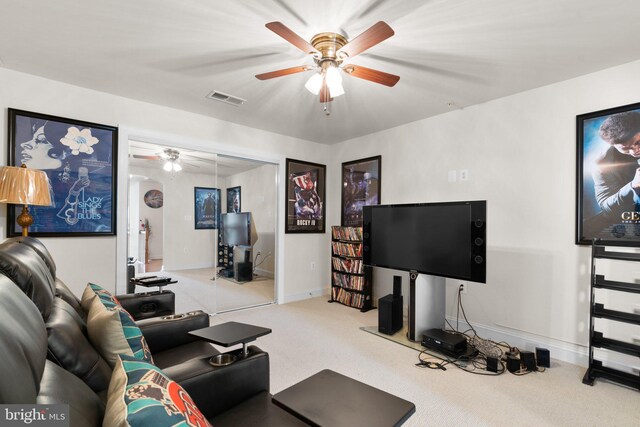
x=348, y=298
x=351, y=279
x=348, y=265
x=348, y=281
x=347, y=249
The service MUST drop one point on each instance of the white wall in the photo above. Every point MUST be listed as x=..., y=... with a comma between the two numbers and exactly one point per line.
x=258, y=196
x=520, y=152
x=103, y=259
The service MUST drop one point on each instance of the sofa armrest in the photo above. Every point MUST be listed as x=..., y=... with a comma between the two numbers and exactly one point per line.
x=148, y=304
x=216, y=389
x=163, y=333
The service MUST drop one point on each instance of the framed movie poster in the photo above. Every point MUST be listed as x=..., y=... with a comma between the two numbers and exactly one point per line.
x=207, y=208
x=360, y=187
x=608, y=177
x=233, y=200
x=305, y=209
x=79, y=159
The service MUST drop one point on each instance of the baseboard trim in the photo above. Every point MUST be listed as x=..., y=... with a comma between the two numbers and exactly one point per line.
x=304, y=295
x=560, y=350
x=264, y=273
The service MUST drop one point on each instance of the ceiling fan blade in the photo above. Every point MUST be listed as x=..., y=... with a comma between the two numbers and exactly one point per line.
x=283, y=31
x=280, y=73
x=371, y=37
x=371, y=75
x=325, y=95
x=139, y=156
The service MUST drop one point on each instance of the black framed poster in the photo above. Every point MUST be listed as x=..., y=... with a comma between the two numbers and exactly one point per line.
x=234, y=201
x=608, y=176
x=305, y=209
x=206, y=208
x=360, y=187
x=78, y=157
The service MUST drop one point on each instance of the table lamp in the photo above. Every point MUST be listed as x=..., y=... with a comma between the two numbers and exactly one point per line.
x=23, y=186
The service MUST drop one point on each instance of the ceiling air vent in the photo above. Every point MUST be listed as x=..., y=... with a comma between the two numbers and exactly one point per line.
x=226, y=98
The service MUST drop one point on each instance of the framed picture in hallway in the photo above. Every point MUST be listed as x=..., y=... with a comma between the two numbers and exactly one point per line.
x=207, y=208
x=305, y=208
x=78, y=157
x=360, y=187
x=234, y=200
x=608, y=176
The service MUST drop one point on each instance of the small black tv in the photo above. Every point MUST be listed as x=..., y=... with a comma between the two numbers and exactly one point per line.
x=236, y=229
x=441, y=239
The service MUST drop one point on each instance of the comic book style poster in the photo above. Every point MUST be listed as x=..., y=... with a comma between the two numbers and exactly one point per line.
x=608, y=177
x=360, y=187
x=234, y=200
x=79, y=160
x=207, y=208
x=305, y=209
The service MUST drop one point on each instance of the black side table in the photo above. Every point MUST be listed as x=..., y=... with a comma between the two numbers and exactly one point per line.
x=231, y=333
x=332, y=399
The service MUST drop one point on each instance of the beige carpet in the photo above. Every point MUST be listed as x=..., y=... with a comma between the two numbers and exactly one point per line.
x=312, y=335
x=196, y=291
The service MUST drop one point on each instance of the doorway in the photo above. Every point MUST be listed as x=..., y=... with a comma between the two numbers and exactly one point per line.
x=211, y=275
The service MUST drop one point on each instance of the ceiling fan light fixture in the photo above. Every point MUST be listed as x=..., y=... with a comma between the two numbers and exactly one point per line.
x=177, y=167
x=334, y=81
x=167, y=166
x=314, y=83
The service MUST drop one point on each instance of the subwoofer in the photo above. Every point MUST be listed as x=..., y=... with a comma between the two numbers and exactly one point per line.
x=243, y=271
x=389, y=314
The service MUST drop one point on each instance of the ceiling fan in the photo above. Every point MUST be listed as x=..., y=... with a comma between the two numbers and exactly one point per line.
x=329, y=51
x=172, y=159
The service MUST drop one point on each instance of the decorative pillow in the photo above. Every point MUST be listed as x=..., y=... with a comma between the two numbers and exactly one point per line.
x=113, y=331
x=91, y=291
x=140, y=394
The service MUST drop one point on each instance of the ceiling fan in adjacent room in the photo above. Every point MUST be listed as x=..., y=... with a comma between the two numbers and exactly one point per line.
x=172, y=159
x=330, y=51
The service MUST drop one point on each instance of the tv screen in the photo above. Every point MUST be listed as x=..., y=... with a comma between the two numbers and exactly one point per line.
x=441, y=239
x=236, y=229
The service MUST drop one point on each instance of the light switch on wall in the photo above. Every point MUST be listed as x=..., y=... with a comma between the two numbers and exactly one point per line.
x=452, y=176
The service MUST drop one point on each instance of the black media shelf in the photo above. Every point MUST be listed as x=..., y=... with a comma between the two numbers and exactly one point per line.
x=351, y=280
x=596, y=369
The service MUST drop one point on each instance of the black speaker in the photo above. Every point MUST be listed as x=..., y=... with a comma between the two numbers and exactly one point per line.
x=244, y=271
x=397, y=286
x=513, y=364
x=542, y=357
x=389, y=314
x=492, y=364
x=528, y=360
x=131, y=273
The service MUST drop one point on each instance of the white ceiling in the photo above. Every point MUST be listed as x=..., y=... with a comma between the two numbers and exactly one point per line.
x=448, y=53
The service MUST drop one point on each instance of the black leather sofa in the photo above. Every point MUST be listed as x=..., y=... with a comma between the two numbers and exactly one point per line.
x=48, y=357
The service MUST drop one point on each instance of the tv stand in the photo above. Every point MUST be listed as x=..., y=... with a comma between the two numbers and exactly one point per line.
x=427, y=299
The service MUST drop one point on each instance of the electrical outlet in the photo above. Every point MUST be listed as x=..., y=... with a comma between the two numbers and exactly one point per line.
x=463, y=288
x=258, y=254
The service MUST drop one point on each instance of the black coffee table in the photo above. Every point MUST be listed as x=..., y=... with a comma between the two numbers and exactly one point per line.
x=331, y=399
x=231, y=333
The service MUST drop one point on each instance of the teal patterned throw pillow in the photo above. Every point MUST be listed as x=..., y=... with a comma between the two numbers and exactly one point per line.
x=140, y=395
x=113, y=331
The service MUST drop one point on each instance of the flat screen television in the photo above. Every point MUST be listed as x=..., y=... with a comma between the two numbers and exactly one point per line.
x=236, y=229
x=441, y=239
